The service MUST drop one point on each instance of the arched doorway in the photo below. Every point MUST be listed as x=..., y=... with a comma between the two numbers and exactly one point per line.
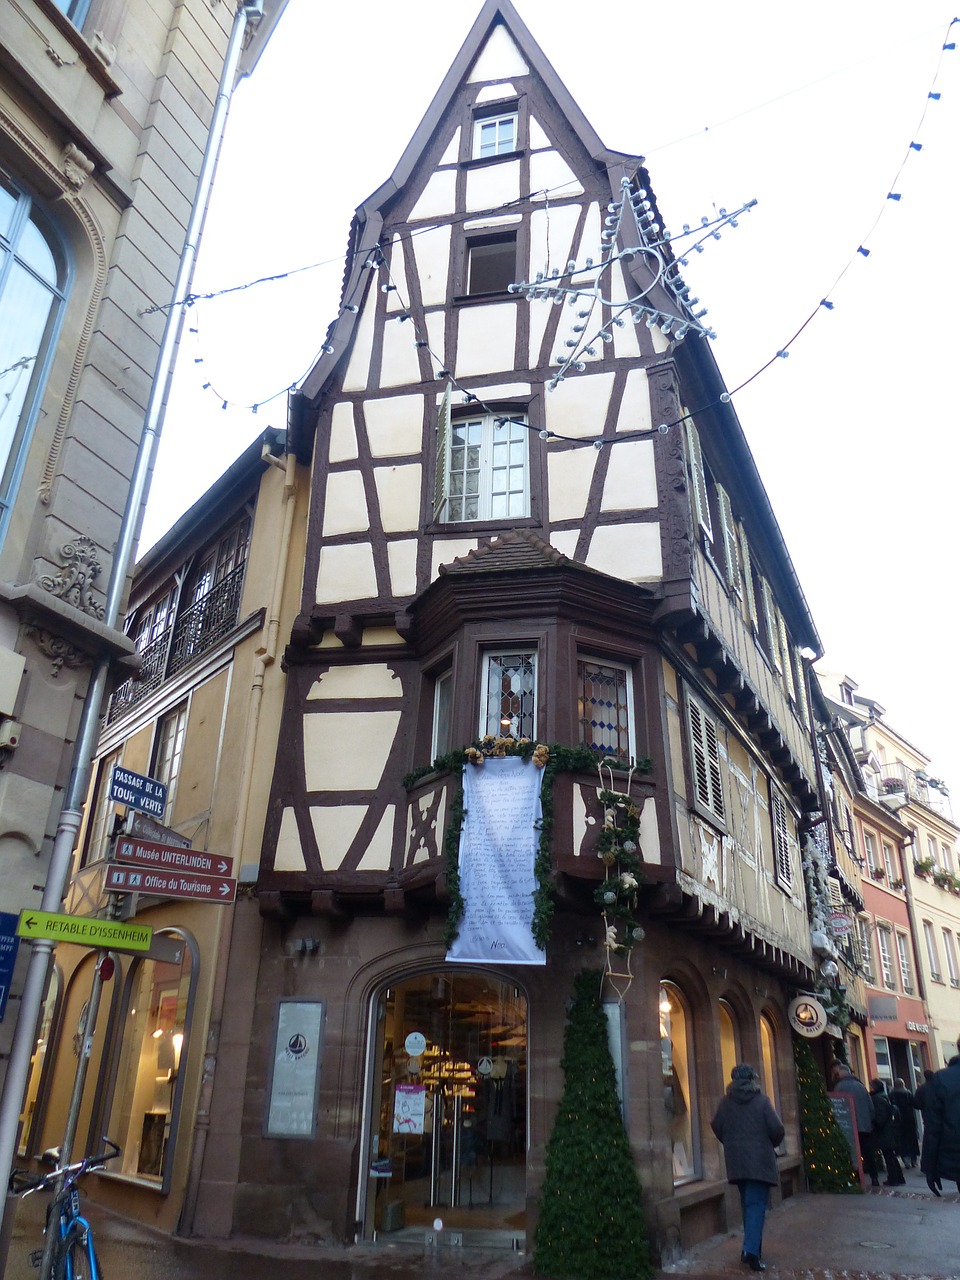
x=447, y=1110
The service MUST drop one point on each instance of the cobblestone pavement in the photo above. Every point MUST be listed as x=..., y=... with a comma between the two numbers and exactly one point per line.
x=883, y=1235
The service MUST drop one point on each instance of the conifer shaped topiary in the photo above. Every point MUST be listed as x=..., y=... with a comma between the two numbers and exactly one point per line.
x=591, y=1223
x=826, y=1153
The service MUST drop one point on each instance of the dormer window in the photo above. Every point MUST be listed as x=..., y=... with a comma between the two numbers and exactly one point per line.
x=495, y=134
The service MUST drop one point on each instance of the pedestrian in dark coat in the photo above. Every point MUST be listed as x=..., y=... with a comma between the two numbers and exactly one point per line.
x=941, y=1141
x=847, y=1082
x=908, y=1140
x=885, y=1133
x=750, y=1130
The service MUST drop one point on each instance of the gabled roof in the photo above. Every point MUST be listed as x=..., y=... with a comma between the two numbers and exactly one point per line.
x=516, y=549
x=368, y=222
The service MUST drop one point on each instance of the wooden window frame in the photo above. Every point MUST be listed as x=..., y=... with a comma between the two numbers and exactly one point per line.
x=594, y=660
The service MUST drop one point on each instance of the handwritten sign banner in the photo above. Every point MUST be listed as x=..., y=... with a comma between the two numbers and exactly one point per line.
x=498, y=848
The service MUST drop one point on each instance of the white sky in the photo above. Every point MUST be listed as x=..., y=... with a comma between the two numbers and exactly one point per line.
x=810, y=109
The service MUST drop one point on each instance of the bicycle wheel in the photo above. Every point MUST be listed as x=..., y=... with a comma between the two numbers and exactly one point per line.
x=73, y=1257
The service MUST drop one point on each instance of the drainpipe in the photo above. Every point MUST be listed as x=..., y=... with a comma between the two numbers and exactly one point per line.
x=263, y=658
x=71, y=814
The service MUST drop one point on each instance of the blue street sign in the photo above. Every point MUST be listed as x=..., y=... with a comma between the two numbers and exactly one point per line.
x=133, y=789
x=9, y=942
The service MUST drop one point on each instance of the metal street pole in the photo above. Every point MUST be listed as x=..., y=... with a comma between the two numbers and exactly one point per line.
x=71, y=814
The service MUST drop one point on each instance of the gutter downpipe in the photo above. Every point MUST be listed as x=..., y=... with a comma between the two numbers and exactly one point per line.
x=71, y=814
x=263, y=658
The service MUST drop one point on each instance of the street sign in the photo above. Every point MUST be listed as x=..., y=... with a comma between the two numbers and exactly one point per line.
x=138, y=791
x=171, y=884
x=149, y=853
x=142, y=827
x=85, y=931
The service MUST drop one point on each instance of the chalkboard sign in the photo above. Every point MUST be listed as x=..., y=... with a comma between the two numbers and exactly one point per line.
x=846, y=1117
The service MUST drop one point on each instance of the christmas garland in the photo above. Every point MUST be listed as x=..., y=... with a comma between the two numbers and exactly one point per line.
x=553, y=759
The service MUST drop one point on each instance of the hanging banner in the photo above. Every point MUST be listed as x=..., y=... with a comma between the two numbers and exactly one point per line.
x=498, y=848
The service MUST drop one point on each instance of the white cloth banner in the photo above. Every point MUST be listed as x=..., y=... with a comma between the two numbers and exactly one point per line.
x=498, y=849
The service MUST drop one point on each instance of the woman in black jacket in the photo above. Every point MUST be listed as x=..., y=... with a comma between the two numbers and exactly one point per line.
x=750, y=1130
x=885, y=1133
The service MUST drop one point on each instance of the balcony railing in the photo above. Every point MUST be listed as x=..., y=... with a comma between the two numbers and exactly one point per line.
x=898, y=783
x=195, y=631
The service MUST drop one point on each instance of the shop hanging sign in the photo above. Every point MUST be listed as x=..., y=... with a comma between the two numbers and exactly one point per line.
x=498, y=850
x=807, y=1016
x=841, y=923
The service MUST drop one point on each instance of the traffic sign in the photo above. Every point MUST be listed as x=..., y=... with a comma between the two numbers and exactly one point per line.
x=138, y=791
x=171, y=884
x=168, y=857
x=85, y=931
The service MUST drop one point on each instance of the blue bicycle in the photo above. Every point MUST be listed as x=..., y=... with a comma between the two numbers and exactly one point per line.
x=74, y=1256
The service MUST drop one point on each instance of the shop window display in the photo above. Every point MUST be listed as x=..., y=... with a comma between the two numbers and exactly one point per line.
x=679, y=1097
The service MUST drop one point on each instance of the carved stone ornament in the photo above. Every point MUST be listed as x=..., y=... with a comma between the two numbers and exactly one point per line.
x=74, y=583
x=60, y=652
x=76, y=166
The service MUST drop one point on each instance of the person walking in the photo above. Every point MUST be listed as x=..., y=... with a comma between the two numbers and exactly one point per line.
x=941, y=1138
x=749, y=1130
x=908, y=1140
x=885, y=1133
x=846, y=1082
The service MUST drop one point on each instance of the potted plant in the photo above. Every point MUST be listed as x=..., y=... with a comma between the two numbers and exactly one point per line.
x=878, y=873
x=896, y=884
x=922, y=867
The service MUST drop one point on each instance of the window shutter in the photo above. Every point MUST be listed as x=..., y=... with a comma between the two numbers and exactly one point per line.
x=781, y=839
x=747, y=567
x=705, y=753
x=731, y=545
x=785, y=656
x=700, y=500
x=769, y=612
x=443, y=454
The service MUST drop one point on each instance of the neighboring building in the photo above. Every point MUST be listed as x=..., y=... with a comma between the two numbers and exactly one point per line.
x=201, y=718
x=472, y=568
x=910, y=849
x=105, y=110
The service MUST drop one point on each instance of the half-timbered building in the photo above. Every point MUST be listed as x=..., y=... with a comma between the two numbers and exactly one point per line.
x=528, y=521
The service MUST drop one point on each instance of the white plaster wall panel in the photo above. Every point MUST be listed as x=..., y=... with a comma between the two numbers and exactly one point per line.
x=627, y=551
x=550, y=172
x=402, y=560
x=343, y=434
x=569, y=475
x=500, y=391
x=491, y=220
x=373, y=636
x=626, y=346
x=289, y=853
x=551, y=241
x=498, y=59
x=398, y=489
x=448, y=550
x=635, y=413
x=335, y=829
x=436, y=337
x=394, y=426
x=578, y=406
x=589, y=246
x=487, y=339
x=452, y=153
x=631, y=481
x=493, y=186
x=538, y=316
x=538, y=139
x=438, y=197
x=346, y=573
x=565, y=541
x=377, y=855
x=650, y=831
x=345, y=507
x=358, y=368
x=496, y=92
x=661, y=342
x=329, y=766
x=398, y=276
x=363, y=680
x=399, y=365
x=431, y=252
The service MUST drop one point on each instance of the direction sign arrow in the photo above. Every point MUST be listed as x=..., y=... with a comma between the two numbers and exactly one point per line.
x=150, y=853
x=86, y=931
x=171, y=884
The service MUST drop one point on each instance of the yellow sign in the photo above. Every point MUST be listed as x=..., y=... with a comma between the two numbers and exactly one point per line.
x=85, y=931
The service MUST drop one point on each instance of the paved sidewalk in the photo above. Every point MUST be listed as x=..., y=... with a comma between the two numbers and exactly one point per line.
x=883, y=1235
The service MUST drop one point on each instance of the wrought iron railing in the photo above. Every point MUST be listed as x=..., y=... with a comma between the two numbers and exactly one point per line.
x=195, y=631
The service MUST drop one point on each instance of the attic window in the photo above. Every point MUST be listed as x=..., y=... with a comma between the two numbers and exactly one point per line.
x=495, y=134
x=491, y=263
